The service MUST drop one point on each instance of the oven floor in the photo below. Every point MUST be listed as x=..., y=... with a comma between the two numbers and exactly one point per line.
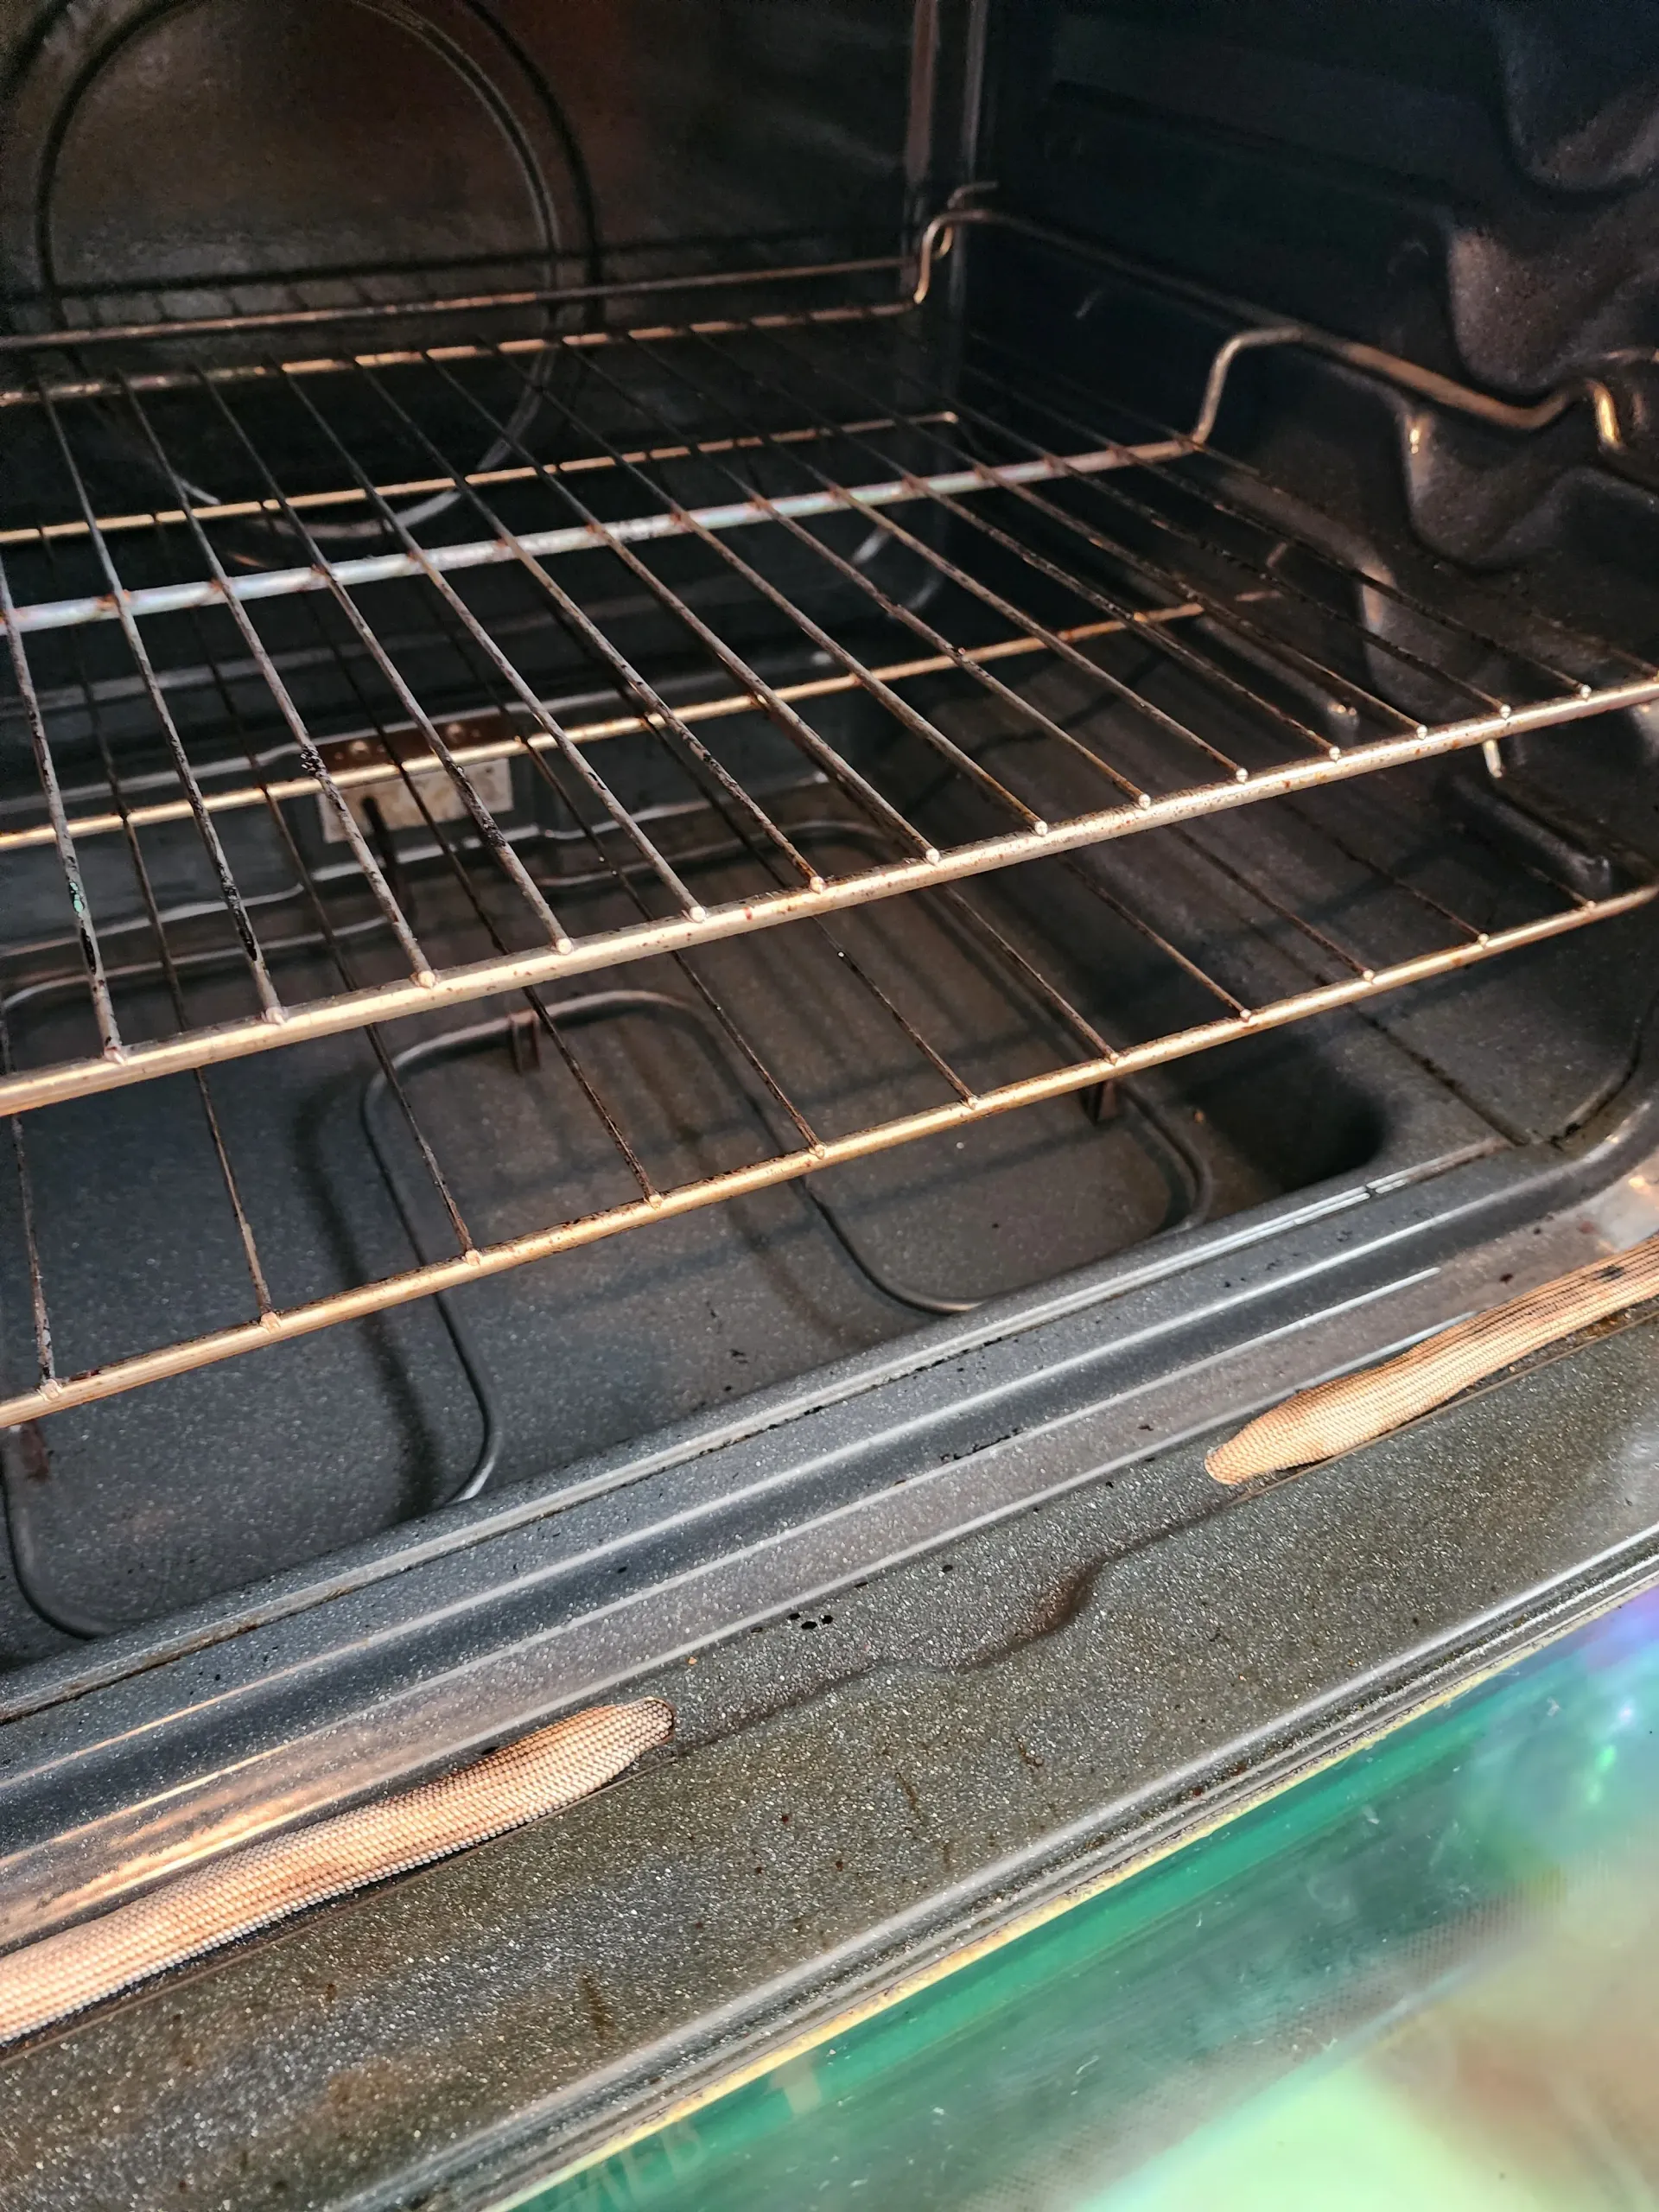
x=131, y=1509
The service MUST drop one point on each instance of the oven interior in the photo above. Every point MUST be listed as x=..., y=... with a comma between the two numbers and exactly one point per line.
x=572, y=856
x=780, y=785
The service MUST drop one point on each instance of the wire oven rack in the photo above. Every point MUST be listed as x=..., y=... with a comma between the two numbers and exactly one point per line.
x=517, y=616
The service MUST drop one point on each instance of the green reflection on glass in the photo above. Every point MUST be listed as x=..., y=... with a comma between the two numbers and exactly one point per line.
x=1423, y=1977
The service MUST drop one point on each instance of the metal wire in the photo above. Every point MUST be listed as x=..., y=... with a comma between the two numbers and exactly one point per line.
x=1224, y=611
x=175, y=993
x=1035, y=383
x=436, y=652
x=469, y=304
x=964, y=1106
x=730, y=384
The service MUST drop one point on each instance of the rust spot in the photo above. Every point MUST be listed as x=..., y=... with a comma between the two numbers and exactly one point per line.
x=33, y=1460
x=598, y=2011
x=339, y=754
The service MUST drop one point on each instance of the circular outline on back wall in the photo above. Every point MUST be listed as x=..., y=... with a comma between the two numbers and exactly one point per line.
x=555, y=174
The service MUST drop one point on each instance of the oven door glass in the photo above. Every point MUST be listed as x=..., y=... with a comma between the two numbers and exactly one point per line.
x=1423, y=1975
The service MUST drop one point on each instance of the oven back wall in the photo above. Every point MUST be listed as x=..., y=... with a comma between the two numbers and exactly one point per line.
x=1474, y=186
x=193, y=142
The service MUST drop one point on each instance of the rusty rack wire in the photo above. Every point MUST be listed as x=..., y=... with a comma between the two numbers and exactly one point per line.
x=458, y=611
x=1251, y=952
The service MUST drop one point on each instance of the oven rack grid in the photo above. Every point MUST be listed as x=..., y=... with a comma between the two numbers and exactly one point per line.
x=711, y=473
x=1367, y=923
